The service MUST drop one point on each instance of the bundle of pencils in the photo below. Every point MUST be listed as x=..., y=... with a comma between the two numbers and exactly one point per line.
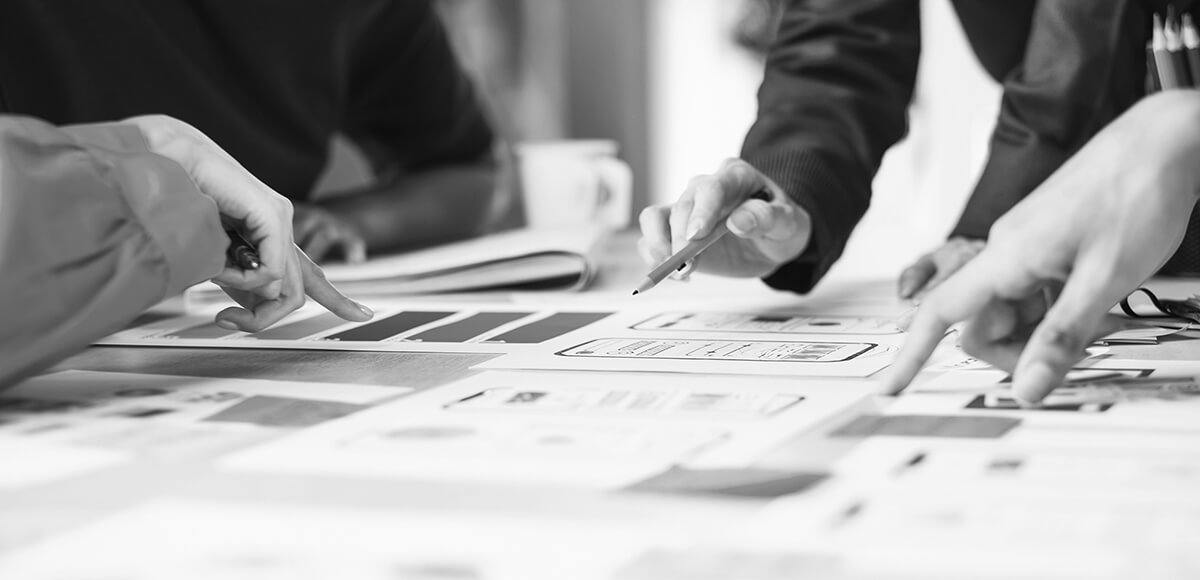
x=1173, y=53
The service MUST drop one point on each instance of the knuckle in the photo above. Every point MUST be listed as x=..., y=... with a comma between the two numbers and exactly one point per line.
x=283, y=206
x=699, y=182
x=972, y=342
x=1061, y=336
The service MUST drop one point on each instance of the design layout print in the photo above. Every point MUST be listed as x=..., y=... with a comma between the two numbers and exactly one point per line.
x=766, y=323
x=726, y=350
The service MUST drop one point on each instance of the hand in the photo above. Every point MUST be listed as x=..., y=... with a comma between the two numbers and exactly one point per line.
x=322, y=234
x=934, y=267
x=765, y=234
x=264, y=217
x=1101, y=225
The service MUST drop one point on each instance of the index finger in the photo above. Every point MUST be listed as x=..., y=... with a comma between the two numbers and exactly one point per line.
x=317, y=286
x=964, y=294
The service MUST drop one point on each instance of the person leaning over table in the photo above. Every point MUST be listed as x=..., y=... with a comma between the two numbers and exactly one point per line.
x=100, y=221
x=838, y=80
x=272, y=81
x=1128, y=194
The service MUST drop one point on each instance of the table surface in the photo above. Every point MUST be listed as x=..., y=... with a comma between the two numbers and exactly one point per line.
x=35, y=513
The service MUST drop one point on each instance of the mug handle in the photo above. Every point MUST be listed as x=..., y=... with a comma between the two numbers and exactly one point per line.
x=615, y=200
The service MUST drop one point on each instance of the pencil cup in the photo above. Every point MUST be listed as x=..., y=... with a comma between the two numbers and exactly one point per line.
x=572, y=184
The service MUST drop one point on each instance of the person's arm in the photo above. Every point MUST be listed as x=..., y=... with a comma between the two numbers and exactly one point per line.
x=99, y=222
x=835, y=97
x=837, y=86
x=1087, y=237
x=94, y=229
x=1083, y=64
x=414, y=113
x=1080, y=65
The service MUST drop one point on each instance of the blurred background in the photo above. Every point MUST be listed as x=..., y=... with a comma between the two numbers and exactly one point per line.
x=674, y=83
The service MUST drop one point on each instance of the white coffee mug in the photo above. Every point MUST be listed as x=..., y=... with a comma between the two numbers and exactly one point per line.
x=570, y=184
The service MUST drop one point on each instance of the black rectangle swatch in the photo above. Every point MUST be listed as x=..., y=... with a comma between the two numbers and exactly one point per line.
x=550, y=327
x=469, y=327
x=927, y=426
x=301, y=329
x=390, y=326
x=206, y=331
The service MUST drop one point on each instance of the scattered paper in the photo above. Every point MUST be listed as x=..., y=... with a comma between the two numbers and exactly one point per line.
x=597, y=431
x=171, y=416
x=194, y=540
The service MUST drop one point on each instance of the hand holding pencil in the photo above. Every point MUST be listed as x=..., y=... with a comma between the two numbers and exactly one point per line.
x=764, y=231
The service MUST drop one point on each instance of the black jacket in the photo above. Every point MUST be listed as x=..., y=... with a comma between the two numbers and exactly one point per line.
x=840, y=76
x=270, y=81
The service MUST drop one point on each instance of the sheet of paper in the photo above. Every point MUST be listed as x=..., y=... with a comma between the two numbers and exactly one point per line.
x=783, y=322
x=402, y=327
x=29, y=463
x=171, y=415
x=889, y=519
x=842, y=357
x=599, y=431
x=1111, y=395
x=193, y=540
x=1042, y=535
x=1104, y=474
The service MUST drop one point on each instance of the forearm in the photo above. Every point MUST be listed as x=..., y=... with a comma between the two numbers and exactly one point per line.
x=93, y=230
x=834, y=98
x=436, y=206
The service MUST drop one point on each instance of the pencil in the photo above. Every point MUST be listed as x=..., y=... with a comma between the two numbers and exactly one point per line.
x=690, y=251
x=1191, y=45
x=1153, y=84
x=683, y=256
x=1162, y=57
x=1175, y=47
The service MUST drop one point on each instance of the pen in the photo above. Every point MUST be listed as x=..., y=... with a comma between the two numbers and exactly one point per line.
x=690, y=251
x=241, y=252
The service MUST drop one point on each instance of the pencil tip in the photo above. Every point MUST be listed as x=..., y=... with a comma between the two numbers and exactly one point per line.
x=635, y=292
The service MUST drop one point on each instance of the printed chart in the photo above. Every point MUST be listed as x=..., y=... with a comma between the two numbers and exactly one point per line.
x=439, y=328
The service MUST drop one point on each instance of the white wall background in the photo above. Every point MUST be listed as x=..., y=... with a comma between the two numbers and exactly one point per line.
x=703, y=101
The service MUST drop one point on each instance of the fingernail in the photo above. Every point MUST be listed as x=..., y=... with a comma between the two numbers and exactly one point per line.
x=1033, y=383
x=363, y=308
x=906, y=290
x=742, y=222
x=226, y=324
x=693, y=229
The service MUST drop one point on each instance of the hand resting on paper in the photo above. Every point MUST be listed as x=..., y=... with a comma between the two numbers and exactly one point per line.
x=1098, y=227
x=933, y=268
x=322, y=234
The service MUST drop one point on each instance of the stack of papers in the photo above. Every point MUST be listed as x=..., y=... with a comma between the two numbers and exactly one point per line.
x=519, y=259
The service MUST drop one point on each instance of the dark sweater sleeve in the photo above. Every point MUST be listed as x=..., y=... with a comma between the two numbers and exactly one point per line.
x=410, y=105
x=1083, y=65
x=94, y=229
x=834, y=98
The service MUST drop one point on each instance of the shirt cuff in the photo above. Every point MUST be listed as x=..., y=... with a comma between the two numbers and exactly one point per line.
x=817, y=184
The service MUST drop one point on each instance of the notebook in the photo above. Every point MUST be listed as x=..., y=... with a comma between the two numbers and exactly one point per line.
x=513, y=260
